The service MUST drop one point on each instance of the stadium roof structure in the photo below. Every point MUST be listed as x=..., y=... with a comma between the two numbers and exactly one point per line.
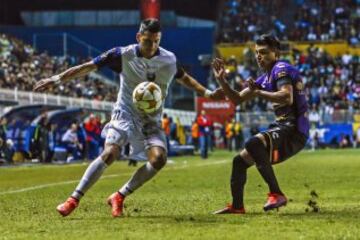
x=10, y=11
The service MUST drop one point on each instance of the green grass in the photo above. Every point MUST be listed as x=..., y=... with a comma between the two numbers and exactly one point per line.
x=177, y=204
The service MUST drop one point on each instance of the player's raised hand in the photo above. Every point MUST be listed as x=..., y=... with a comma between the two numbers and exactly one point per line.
x=217, y=94
x=44, y=84
x=251, y=84
x=218, y=67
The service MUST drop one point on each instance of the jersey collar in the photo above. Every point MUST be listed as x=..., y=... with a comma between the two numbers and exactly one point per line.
x=138, y=53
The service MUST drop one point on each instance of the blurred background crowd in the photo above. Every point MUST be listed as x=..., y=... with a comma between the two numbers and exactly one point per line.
x=320, y=37
x=21, y=66
x=303, y=20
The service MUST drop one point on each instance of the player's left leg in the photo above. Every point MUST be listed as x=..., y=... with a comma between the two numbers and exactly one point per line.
x=156, y=161
x=156, y=155
x=270, y=147
x=257, y=148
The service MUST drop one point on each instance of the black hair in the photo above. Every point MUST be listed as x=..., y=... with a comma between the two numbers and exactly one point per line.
x=269, y=40
x=150, y=24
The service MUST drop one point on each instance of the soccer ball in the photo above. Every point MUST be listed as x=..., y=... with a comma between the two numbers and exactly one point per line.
x=147, y=97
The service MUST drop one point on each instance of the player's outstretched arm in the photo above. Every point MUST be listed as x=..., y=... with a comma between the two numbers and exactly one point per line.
x=71, y=73
x=283, y=96
x=235, y=96
x=189, y=82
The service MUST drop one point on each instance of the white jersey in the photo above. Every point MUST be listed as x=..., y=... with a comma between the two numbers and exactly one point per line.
x=135, y=69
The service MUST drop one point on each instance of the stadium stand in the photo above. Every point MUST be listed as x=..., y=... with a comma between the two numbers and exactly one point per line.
x=305, y=20
x=21, y=66
x=320, y=37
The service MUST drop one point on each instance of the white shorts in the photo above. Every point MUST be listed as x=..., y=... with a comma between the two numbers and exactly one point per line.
x=140, y=133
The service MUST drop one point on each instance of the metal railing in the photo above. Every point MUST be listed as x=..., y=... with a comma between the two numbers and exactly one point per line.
x=26, y=98
x=186, y=117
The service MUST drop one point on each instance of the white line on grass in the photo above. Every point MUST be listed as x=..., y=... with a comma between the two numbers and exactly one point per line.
x=51, y=185
x=103, y=177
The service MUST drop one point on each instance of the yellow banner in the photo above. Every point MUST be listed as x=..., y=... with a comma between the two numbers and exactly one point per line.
x=237, y=50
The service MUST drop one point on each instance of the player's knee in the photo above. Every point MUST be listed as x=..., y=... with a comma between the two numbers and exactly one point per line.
x=110, y=153
x=238, y=171
x=158, y=160
x=239, y=162
x=253, y=145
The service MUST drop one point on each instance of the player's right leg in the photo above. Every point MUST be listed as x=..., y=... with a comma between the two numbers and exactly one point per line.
x=115, y=137
x=90, y=177
x=240, y=165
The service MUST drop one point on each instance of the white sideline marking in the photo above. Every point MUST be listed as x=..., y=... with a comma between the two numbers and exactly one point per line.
x=52, y=184
x=103, y=177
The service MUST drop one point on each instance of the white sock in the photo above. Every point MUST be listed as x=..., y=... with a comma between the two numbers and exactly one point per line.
x=91, y=175
x=141, y=176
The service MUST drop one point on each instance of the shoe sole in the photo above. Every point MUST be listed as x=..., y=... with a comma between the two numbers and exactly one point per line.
x=215, y=213
x=221, y=212
x=276, y=206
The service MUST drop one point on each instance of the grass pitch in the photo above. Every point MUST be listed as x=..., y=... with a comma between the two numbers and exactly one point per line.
x=177, y=204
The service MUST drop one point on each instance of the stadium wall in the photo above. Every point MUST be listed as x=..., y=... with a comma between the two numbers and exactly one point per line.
x=186, y=43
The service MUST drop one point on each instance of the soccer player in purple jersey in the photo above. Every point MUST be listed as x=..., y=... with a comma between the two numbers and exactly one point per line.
x=280, y=84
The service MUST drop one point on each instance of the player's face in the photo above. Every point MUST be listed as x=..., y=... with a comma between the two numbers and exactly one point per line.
x=265, y=56
x=149, y=43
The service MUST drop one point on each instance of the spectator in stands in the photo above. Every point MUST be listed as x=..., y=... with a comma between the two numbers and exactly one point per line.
x=243, y=20
x=254, y=129
x=165, y=124
x=21, y=66
x=173, y=133
x=180, y=132
x=357, y=139
x=314, y=116
x=344, y=141
x=72, y=143
x=81, y=134
x=41, y=138
x=204, y=133
x=6, y=151
x=195, y=134
x=93, y=132
x=2, y=140
x=230, y=132
x=239, y=138
x=54, y=138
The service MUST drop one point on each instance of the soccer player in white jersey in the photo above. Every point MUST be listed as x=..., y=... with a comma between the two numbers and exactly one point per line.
x=144, y=61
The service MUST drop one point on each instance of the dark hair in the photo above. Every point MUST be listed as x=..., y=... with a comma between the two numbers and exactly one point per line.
x=150, y=24
x=269, y=40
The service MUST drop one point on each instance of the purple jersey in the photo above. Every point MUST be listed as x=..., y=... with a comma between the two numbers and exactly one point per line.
x=284, y=73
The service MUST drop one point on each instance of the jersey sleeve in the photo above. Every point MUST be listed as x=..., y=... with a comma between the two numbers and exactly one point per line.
x=180, y=72
x=282, y=75
x=111, y=59
x=283, y=81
